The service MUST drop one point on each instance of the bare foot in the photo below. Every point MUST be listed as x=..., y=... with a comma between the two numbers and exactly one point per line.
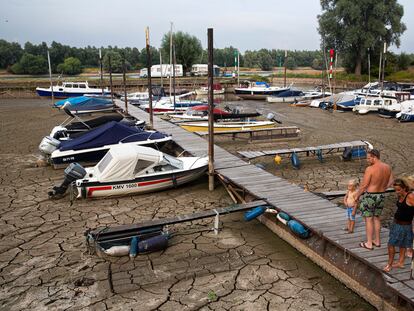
x=387, y=268
x=398, y=265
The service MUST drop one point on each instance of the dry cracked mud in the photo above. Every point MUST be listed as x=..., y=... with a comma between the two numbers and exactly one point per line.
x=45, y=264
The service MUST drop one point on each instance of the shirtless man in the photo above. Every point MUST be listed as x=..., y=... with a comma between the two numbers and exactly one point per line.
x=377, y=178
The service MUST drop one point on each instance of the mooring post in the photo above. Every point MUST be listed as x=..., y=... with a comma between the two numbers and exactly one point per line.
x=124, y=83
x=50, y=77
x=101, y=70
x=110, y=78
x=147, y=44
x=210, y=111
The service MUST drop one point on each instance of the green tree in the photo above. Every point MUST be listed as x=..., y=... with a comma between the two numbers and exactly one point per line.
x=117, y=61
x=71, y=66
x=10, y=53
x=30, y=64
x=291, y=63
x=155, y=57
x=188, y=48
x=265, y=60
x=354, y=26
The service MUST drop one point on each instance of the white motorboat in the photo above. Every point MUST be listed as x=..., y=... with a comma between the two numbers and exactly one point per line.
x=71, y=89
x=373, y=104
x=127, y=170
x=258, y=90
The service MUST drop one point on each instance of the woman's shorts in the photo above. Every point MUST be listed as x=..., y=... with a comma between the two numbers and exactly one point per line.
x=401, y=236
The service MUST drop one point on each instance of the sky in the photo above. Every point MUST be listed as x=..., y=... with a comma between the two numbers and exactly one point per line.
x=244, y=24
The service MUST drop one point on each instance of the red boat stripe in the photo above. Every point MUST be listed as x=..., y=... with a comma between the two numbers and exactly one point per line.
x=147, y=183
x=92, y=189
x=140, y=184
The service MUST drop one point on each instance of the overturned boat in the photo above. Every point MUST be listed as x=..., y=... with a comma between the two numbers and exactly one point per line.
x=228, y=126
x=130, y=169
x=93, y=145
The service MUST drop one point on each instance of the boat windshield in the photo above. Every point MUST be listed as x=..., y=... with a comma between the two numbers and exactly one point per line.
x=103, y=164
x=173, y=161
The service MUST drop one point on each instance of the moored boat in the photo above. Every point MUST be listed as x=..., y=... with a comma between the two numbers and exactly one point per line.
x=71, y=89
x=257, y=90
x=217, y=89
x=200, y=113
x=228, y=126
x=85, y=104
x=129, y=169
x=93, y=145
x=288, y=96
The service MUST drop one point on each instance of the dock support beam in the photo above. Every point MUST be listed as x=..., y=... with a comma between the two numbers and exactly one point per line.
x=210, y=111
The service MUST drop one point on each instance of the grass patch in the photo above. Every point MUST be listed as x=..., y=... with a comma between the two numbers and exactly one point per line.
x=401, y=76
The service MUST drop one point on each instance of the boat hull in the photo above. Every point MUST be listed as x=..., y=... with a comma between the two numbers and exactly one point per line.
x=139, y=185
x=62, y=94
x=290, y=99
x=203, y=127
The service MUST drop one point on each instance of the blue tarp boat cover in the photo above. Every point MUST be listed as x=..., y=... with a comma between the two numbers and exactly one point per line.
x=85, y=103
x=109, y=134
x=260, y=83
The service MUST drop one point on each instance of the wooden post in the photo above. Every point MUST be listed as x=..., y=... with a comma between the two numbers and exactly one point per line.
x=383, y=66
x=101, y=70
x=174, y=64
x=238, y=68
x=284, y=78
x=171, y=61
x=50, y=77
x=124, y=83
x=369, y=66
x=162, y=85
x=110, y=78
x=147, y=44
x=210, y=111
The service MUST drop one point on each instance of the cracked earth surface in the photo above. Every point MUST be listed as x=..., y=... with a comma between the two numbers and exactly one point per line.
x=45, y=264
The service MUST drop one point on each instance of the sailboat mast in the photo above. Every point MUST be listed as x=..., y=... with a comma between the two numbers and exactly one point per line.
x=170, y=58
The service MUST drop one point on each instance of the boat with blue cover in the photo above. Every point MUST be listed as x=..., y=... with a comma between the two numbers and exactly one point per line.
x=85, y=104
x=92, y=146
x=71, y=89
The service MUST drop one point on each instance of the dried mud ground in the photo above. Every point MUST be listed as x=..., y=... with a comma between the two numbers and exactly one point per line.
x=44, y=263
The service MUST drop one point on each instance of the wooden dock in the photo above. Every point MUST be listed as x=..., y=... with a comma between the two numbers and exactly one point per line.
x=329, y=244
x=325, y=149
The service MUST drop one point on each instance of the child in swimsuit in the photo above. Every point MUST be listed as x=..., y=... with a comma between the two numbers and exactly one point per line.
x=350, y=203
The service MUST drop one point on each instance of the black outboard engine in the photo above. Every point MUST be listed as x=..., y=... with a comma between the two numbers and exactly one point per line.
x=347, y=154
x=73, y=172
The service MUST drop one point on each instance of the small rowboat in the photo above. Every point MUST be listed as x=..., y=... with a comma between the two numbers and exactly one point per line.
x=228, y=126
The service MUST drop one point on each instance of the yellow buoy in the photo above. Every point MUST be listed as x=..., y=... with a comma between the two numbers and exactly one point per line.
x=278, y=159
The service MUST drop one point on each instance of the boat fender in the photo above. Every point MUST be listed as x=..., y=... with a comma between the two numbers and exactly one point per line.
x=298, y=229
x=153, y=244
x=253, y=213
x=278, y=159
x=271, y=211
x=133, y=250
x=319, y=155
x=283, y=218
x=347, y=154
x=118, y=250
x=295, y=160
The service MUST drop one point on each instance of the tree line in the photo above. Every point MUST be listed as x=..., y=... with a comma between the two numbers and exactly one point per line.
x=187, y=50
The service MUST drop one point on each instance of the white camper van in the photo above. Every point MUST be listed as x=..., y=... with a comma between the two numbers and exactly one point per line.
x=202, y=70
x=162, y=71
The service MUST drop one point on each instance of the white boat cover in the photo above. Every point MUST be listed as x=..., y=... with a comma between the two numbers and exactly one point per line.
x=123, y=162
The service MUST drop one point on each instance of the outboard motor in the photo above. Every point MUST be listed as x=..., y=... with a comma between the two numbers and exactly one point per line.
x=48, y=145
x=271, y=117
x=73, y=172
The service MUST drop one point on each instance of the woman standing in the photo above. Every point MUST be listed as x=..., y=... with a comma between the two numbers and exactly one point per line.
x=401, y=233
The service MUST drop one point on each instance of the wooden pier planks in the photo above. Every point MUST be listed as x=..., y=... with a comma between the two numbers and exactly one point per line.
x=311, y=210
x=338, y=146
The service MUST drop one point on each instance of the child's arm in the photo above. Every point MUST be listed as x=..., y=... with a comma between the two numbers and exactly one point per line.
x=354, y=209
x=345, y=198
